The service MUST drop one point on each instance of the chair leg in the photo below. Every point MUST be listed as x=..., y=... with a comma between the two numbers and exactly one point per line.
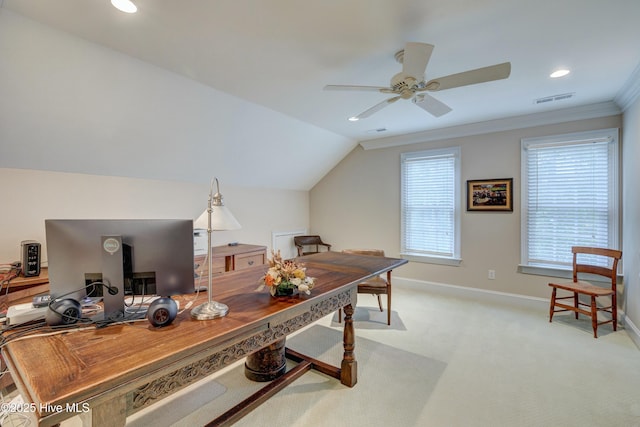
x=594, y=316
x=388, y=307
x=380, y=302
x=614, y=311
x=339, y=315
x=553, y=304
x=575, y=303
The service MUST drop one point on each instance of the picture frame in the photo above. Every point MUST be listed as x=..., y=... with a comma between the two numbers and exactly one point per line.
x=490, y=195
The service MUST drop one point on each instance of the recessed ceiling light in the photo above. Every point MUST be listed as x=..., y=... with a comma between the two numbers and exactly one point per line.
x=126, y=6
x=353, y=119
x=559, y=73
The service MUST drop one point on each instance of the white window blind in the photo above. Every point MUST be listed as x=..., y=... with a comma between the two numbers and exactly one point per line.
x=429, y=201
x=570, y=196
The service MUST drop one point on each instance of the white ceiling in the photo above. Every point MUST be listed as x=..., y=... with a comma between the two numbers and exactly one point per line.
x=281, y=53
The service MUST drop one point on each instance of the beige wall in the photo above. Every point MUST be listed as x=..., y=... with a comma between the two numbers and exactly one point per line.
x=631, y=215
x=358, y=205
x=32, y=196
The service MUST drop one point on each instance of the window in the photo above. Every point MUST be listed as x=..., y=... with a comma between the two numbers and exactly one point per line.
x=430, y=200
x=569, y=196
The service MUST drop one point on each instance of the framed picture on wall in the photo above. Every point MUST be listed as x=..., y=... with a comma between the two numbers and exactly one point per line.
x=490, y=195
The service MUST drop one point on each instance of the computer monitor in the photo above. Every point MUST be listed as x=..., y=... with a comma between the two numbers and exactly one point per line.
x=135, y=256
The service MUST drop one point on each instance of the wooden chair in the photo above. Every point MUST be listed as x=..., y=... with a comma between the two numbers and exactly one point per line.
x=376, y=285
x=313, y=242
x=578, y=287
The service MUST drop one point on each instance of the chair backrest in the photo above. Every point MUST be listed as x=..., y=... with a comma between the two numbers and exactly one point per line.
x=374, y=252
x=304, y=241
x=608, y=272
x=307, y=240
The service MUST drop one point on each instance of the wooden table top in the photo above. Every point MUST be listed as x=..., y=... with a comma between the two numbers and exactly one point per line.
x=79, y=366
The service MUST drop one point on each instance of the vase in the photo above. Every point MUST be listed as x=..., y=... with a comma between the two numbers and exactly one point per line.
x=283, y=291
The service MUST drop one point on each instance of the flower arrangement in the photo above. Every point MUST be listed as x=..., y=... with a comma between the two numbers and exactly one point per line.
x=283, y=277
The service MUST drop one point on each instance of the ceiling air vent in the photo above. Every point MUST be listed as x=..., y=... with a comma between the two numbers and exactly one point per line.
x=554, y=98
x=377, y=130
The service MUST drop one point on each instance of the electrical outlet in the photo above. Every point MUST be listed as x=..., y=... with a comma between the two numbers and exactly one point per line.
x=492, y=274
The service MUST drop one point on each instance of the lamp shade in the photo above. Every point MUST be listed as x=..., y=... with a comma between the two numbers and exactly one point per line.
x=221, y=219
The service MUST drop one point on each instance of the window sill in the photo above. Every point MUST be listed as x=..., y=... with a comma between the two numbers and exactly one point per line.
x=545, y=271
x=562, y=273
x=430, y=259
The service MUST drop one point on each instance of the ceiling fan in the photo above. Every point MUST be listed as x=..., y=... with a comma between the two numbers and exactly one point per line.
x=410, y=82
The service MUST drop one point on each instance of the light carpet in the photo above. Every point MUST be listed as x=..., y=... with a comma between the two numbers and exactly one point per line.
x=371, y=318
x=454, y=362
x=457, y=362
x=308, y=400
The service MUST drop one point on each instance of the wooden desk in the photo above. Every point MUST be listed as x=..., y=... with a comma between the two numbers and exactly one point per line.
x=117, y=370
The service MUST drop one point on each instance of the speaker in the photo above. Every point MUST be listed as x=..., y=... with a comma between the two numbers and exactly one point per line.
x=63, y=312
x=162, y=311
x=30, y=258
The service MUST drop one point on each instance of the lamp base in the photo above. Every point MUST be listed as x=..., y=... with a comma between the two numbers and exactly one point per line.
x=209, y=310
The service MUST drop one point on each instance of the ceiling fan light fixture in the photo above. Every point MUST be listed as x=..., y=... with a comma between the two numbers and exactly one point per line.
x=354, y=119
x=126, y=6
x=559, y=73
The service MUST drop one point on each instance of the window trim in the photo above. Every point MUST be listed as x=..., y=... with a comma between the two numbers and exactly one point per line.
x=454, y=260
x=610, y=135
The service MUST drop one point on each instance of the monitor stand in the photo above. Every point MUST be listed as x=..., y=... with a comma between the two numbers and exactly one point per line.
x=116, y=260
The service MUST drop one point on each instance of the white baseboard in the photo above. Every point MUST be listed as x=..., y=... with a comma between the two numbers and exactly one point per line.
x=485, y=295
x=632, y=330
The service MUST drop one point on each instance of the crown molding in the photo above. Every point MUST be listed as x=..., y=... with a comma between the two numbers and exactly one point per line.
x=630, y=91
x=591, y=111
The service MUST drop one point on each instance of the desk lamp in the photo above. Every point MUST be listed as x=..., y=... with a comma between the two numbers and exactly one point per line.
x=216, y=217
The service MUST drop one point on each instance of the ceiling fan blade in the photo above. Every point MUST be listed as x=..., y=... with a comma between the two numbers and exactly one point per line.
x=359, y=88
x=379, y=106
x=479, y=75
x=415, y=59
x=431, y=105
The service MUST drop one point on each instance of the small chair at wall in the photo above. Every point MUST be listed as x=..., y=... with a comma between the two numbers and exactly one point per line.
x=376, y=285
x=309, y=244
x=578, y=287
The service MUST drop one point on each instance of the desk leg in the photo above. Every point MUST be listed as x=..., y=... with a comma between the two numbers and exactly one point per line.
x=110, y=413
x=349, y=367
x=268, y=363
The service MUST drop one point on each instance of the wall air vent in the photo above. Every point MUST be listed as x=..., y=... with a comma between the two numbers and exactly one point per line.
x=554, y=98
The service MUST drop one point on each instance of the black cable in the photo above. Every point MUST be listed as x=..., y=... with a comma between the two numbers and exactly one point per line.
x=13, y=272
x=40, y=327
x=14, y=332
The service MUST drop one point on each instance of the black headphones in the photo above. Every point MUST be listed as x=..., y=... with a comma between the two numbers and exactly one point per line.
x=67, y=311
x=63, y=312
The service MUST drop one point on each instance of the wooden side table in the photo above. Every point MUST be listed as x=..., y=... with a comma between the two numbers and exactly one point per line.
x=231, y=258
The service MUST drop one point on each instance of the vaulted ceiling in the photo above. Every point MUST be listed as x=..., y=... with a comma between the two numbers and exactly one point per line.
x=279, y=54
